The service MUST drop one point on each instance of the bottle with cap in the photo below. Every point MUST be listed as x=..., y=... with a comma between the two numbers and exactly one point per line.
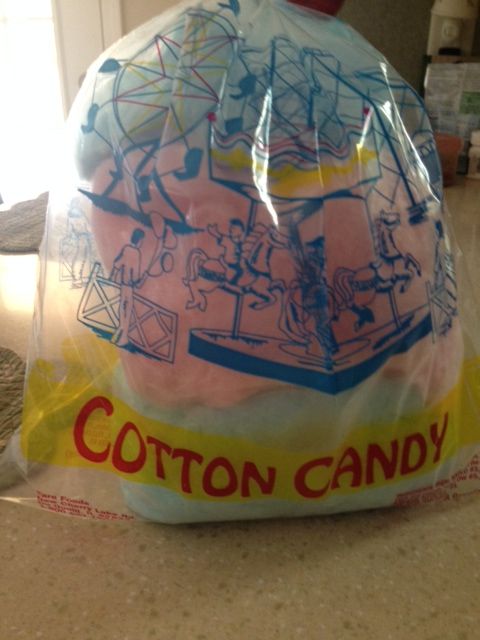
x=452, y=27
x=474, y=156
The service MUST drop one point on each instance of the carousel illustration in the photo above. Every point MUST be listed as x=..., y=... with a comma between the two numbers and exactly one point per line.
x=318, y=154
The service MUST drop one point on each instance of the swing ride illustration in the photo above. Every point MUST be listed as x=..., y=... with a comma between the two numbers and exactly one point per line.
x=260, y=121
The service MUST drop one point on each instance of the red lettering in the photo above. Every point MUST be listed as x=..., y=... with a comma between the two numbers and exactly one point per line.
x=354, y=467
x=118, y=461
x=375, y=453
x=251, y=472
x=301, y=478
x=188, y=457
x=407, y=466
x=232, y=481
x=437, y=438
x=83, y=449
x=160, y=447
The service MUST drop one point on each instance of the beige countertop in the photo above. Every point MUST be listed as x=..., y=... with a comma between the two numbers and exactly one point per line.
x=392, y=574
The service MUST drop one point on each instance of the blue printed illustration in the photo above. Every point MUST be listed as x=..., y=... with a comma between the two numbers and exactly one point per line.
x=76, y=251
x=127, y=273
x=115, y=309
x=442, y=292
x=278, y=183
x=242, y=268
x=310, y=308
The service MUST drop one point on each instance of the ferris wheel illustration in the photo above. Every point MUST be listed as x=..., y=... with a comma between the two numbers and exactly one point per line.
x=158, y=98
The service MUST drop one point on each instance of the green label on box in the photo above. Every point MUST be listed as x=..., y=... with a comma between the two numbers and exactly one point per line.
x=470, y=104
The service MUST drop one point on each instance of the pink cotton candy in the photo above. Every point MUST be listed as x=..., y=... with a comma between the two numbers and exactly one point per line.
x=170, y=271
x=189, y=380
x=268, y=212
x=247, y=302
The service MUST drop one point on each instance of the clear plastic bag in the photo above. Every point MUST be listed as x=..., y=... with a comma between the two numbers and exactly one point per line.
x=248, y=301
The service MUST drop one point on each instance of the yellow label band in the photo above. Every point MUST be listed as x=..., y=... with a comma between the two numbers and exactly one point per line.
x=77, y=425
x=225, y=469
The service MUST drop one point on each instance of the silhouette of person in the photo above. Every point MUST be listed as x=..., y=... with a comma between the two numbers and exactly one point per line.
x=79, y=237
x=128, y=274
x=315, y=296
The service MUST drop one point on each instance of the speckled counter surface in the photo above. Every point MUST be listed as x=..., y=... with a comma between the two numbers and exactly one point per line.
x=403, y=574
x=384, y=575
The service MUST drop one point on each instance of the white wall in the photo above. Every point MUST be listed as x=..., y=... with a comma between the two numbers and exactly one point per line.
x=83, y=30
x=86, y=28
x=136, y=12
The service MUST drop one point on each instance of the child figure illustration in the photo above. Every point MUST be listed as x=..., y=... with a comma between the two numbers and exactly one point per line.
x=76, y=245
x=232, y=258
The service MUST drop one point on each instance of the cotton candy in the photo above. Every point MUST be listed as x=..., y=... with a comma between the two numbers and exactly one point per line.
x=265, y=319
